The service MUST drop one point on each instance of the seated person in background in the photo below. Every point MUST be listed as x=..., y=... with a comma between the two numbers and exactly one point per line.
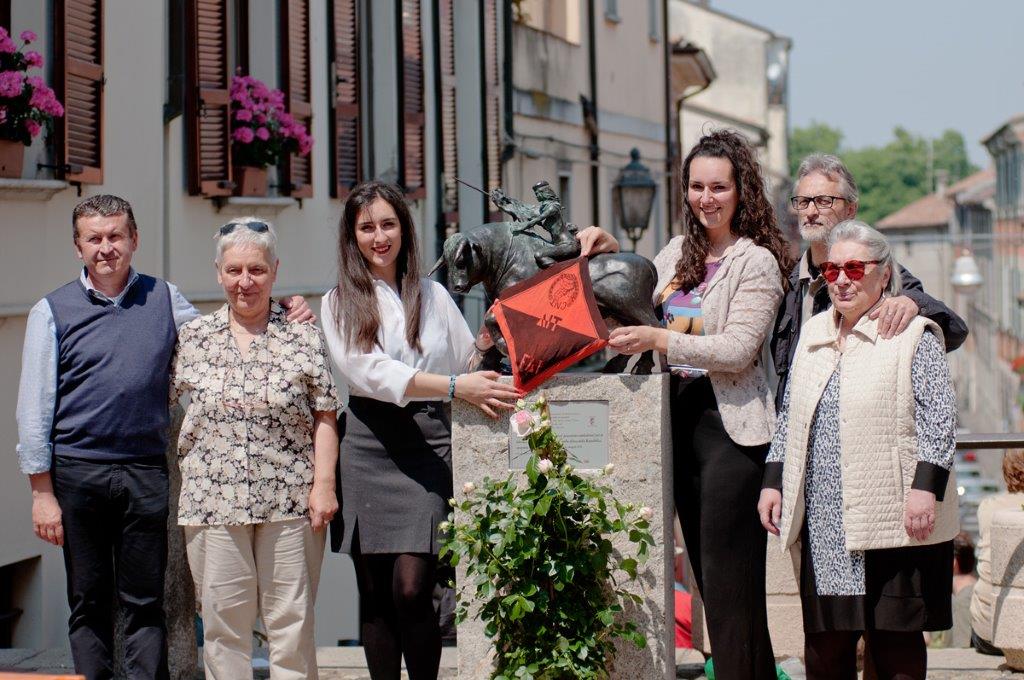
x=984, y=596
x=963, y=587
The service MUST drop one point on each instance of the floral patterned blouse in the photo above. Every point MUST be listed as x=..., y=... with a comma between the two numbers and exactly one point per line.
x=246, y=444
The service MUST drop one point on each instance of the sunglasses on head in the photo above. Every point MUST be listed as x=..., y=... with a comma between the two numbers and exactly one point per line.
x=258, y=227
x=854, y=269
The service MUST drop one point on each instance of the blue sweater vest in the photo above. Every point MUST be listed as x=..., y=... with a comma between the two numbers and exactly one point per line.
x=113, y=364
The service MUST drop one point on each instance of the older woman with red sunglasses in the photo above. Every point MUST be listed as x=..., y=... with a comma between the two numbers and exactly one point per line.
x=858, y=480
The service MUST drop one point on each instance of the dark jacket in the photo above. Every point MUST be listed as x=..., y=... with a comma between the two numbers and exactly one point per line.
x=788, y=321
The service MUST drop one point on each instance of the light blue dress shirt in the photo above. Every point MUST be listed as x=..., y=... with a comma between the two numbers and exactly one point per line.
x=37, y=391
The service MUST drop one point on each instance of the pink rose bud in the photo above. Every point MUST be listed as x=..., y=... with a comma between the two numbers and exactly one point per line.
x=468, y=488
x=646, y=513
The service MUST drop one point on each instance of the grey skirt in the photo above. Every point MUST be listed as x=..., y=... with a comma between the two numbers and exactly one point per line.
x=394, y=477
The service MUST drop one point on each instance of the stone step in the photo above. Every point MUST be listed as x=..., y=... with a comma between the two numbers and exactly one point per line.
x=349, y=663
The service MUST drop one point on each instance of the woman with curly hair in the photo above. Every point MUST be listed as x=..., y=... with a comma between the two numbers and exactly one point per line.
x=719, y=286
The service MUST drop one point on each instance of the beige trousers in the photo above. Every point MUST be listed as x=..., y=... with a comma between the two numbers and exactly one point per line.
x=270, y=571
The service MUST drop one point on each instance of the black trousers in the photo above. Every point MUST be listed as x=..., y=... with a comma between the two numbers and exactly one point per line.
x=115, y=540
x=888, y=655
x=717, y=485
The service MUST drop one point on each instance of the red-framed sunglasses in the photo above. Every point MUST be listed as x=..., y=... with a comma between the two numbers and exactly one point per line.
x=854, y=269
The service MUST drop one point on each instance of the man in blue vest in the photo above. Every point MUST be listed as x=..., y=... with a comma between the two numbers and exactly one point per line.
x=92, y=428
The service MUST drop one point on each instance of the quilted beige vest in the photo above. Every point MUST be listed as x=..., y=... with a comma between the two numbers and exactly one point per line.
x=876, y=430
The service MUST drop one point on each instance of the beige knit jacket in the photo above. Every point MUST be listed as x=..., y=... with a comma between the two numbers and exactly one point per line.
x=876, y=430
x=738, y=308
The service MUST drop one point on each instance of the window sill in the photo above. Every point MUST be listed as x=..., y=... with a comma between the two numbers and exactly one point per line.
x=30, y=189
x=242, y=205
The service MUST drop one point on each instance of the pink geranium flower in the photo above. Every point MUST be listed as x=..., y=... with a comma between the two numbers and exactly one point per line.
x=263, y=133
x=244, y=135
x=11, y=83
x=33, y=59
x=32, y=127
x=28, y=36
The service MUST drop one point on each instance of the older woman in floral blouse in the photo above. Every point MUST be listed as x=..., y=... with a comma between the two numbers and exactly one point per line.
x=257, y=451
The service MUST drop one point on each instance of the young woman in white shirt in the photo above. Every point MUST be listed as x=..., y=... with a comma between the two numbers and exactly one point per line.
x=403, y=348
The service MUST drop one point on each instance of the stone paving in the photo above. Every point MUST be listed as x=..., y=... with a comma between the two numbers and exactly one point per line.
x=348, y=663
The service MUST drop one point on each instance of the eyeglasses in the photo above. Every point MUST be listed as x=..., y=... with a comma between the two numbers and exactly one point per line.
x=854, y=269
x=258, y=227
x=823, y=201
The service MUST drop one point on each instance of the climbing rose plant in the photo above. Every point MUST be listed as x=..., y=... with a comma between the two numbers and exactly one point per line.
x=541, y=571
x=26, y=102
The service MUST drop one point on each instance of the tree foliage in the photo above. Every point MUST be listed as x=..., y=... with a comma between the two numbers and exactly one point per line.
x=891, y=176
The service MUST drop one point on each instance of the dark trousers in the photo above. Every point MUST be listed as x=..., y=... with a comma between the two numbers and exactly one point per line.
x=888, y=655
x=717, y=484
x=115, y=540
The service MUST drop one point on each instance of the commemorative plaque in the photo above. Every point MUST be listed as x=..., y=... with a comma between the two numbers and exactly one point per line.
x=582, y=426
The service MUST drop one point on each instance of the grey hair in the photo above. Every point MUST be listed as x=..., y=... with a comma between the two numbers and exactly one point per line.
x=876, y=243
x=833, y=168
x=242, y=235
x=103, y=205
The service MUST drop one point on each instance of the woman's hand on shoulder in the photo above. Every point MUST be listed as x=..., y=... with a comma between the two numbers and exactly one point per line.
x=297, y=309
x=769, y=509
x=323, y=504
x=919, y=515
x=483, y=390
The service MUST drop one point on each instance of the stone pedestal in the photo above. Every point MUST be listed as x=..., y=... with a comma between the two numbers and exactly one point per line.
x=1008, y=578
x=640, y=446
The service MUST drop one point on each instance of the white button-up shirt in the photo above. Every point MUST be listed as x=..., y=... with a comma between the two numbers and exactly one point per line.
x=384, y=372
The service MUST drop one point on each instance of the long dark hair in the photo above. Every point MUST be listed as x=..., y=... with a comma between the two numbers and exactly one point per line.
x=354, y=303
x=754, y=216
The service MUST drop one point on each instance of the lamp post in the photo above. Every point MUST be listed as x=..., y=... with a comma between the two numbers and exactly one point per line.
x=633, y=197
x=966, y=276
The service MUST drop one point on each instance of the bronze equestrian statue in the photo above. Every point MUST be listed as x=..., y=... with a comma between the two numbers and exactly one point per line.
x=500, y=254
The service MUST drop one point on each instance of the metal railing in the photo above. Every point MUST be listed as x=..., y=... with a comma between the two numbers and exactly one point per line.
x=990, y=440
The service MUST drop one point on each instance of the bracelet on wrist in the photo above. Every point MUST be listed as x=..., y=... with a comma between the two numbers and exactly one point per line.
x=451, y=386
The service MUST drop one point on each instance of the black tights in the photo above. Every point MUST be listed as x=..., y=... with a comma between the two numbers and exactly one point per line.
x=894, y=656
x=396, y=614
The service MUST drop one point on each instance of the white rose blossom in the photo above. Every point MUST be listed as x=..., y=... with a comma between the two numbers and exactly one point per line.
x=646, y=513
x=468, y=488
x=609, y=468
x=544, y=466
x=523, y=423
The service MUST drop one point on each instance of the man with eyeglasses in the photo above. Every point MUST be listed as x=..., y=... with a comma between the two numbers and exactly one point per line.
x=825, y=195
x=92, y=437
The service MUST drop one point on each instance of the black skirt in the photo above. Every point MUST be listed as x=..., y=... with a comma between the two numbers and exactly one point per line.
x=394, y=476
x=905, y=590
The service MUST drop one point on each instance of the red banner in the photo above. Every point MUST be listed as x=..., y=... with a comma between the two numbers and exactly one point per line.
x=550, y=321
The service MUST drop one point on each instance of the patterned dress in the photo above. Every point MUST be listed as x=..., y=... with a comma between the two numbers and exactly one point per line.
x=246, y=445
x=838, y=585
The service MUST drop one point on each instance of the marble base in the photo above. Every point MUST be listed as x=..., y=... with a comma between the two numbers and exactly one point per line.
x=640, y=447
x=1008, y=578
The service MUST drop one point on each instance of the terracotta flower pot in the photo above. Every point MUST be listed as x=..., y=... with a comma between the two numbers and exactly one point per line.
x=12, y=158
x=250, y=181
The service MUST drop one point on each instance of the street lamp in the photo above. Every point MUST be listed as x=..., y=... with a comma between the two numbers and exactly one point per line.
x=633, y=197
x=966, y=276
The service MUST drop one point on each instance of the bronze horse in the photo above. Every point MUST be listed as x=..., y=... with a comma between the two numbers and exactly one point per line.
x=494, y=256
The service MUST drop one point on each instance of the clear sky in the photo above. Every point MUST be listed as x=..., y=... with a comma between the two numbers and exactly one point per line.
x=866, y=66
